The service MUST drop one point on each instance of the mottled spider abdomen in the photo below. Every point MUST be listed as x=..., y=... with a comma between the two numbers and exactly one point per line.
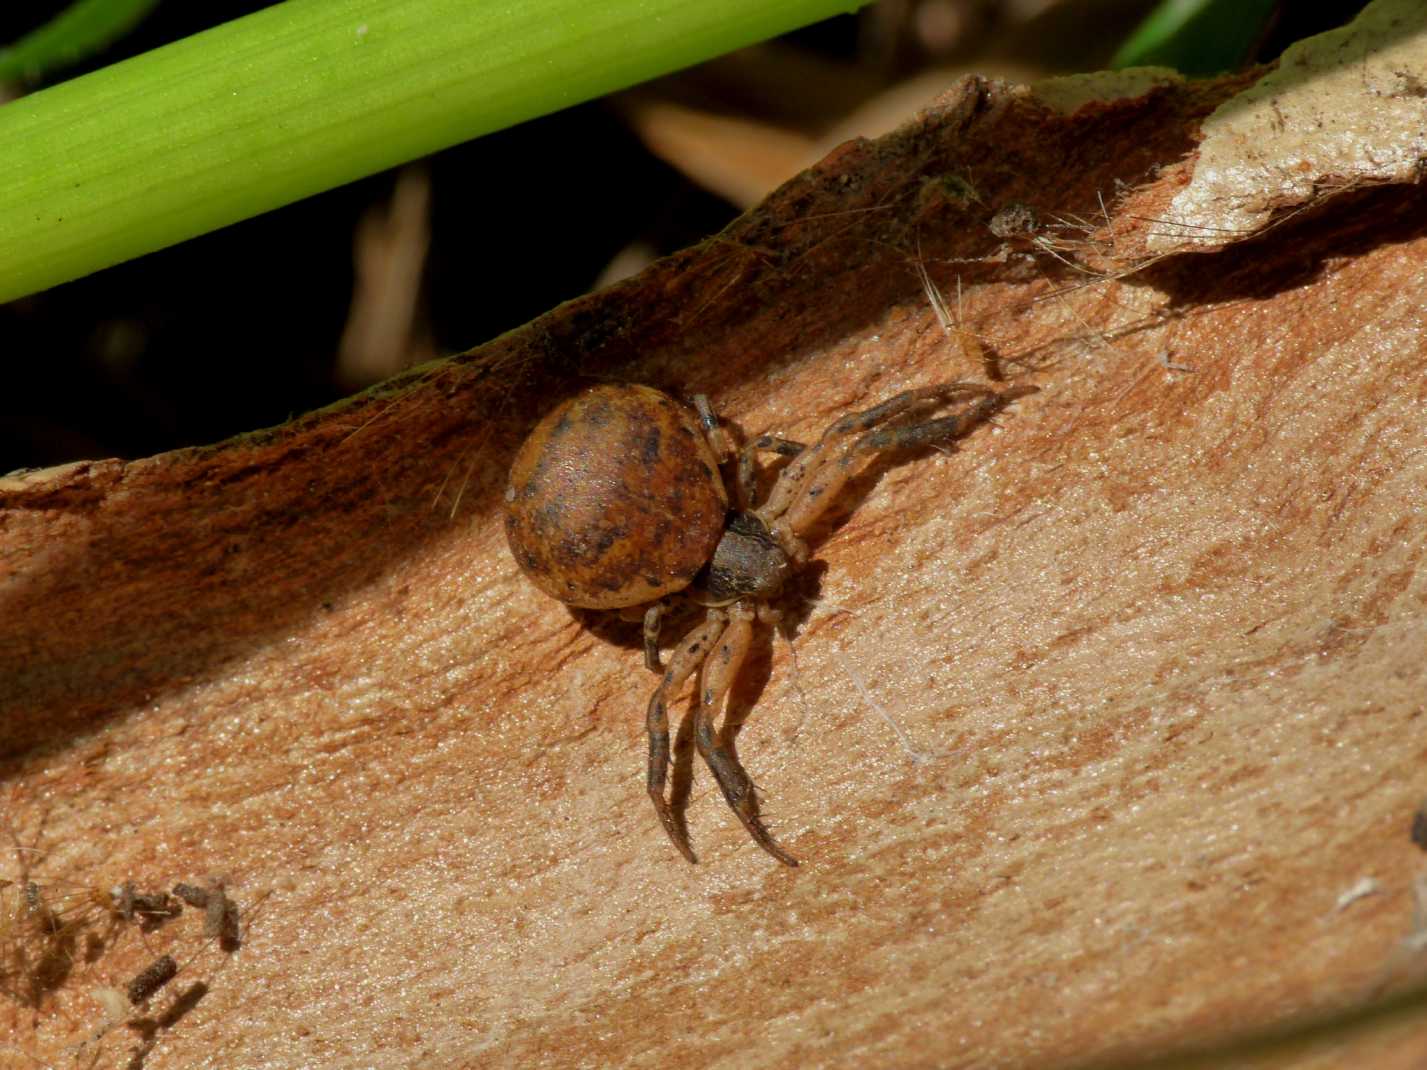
x=615, y=499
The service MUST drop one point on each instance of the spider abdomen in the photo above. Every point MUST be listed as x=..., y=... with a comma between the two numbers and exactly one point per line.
x=615, y=498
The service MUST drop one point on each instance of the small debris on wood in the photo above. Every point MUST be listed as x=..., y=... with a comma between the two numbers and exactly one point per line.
x=149, y=909
x=220, y=917
x=191, y=894
x=1361, y=889
x=153, y=977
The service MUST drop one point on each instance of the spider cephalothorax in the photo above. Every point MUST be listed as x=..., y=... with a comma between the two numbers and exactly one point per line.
x=616, y=501
x=747, y=563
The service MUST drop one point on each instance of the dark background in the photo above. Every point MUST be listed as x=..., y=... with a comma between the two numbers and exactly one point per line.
x=241, y=328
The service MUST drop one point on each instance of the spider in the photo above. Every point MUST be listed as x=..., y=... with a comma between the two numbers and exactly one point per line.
x=616, y=501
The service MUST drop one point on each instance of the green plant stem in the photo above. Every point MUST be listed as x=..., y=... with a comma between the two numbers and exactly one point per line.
x=310, y=94
x=80, y=30
x=1196, y=37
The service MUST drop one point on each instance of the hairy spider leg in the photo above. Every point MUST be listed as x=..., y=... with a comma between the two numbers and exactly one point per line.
x=653, y=618
x=720, y=670
x=799, y=475
x=822, y=489
x=682, y=663
x=745, y=482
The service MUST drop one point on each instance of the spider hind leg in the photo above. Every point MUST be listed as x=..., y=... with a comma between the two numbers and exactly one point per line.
x=720, y=670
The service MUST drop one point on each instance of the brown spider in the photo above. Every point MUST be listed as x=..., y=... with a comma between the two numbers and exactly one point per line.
x=615, y=501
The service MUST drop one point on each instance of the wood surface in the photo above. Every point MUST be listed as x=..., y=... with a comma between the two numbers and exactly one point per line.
x=1100, y=747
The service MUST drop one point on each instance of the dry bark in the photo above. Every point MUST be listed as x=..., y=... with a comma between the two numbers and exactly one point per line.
x=1155, y=642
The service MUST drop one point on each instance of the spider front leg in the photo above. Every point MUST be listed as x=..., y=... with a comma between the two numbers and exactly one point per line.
x=745, y=482
x=720, y=670
x=816, y=487
x=722, y=446
x=691, y=653
x=799, y=475
x=717, y=437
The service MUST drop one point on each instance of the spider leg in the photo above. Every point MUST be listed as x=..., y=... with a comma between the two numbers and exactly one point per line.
x=722, y=445
x=805, y=467
x=820, y=491
x=720, y=670
x=652, y=617
x=714, y=432
x=690, y=654
x=744, y=484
